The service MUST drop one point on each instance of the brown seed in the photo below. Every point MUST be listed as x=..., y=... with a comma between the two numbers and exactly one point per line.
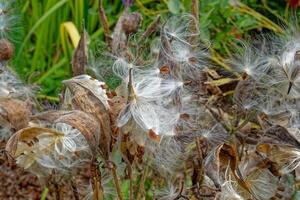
x=184, y=116
x=192, y=60
x=153, y=136
x=297, y=55
x=164, y=69
x=6, y=50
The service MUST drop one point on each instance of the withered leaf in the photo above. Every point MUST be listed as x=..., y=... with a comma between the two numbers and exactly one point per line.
x=279, y=135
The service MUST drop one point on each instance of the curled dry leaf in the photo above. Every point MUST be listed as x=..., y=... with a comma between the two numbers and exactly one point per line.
x=279, y=135
x=285, y=158
x=212, y=166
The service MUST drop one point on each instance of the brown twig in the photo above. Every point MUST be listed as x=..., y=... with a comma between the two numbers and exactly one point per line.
x=180, y=195
x=96, y=181
x=113, y=170
x=130, y=182
x=142, y=181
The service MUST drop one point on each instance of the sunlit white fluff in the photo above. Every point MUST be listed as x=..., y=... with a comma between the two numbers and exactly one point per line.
x=11, y=85
x=8, y=20
x=186, y=55
x=63, y=151
x=179, y=28
x=229, y=188
x=287, y=79
x=145, y=91
x=254, y=62
x=168, y=156
x=167, y=193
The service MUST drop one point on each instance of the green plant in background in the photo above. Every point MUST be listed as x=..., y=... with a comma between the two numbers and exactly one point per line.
x=51, y=30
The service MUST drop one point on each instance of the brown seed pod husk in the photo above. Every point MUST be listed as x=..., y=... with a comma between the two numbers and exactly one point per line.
x=48, y=117
x=85, y=123
x=14, y=112
x=6, y=50
x=84, y=99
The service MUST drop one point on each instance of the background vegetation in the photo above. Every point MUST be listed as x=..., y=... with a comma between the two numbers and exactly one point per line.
x=49, y=30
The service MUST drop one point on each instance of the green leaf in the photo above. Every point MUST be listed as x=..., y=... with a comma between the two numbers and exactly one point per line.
x=174, y=6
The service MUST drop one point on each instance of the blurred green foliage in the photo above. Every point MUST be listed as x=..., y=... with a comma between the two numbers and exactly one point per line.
x=43, y=52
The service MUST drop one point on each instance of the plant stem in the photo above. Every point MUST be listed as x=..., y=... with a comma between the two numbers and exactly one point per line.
x=96, y=181
x=195, y=9
x=113, y=170
x=130, y=182
x=141, y=190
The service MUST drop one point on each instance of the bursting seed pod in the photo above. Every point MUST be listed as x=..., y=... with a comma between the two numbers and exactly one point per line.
x=62, y=149
x=88, y=95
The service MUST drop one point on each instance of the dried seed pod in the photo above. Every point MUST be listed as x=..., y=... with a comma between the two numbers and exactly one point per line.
x=79, y=120
x=14, y=112
x=80, y=57
x=61, y=149
x=85, y=123
x=6, y=50
x=48, y=117
x=86, y=94
x=131, y=22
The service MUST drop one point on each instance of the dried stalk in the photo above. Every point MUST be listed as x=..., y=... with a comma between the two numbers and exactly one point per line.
x=96, y=181
x=130, y=182
x=113, y=170
x=195, y=9
x=141, y=190
x=180, y=195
